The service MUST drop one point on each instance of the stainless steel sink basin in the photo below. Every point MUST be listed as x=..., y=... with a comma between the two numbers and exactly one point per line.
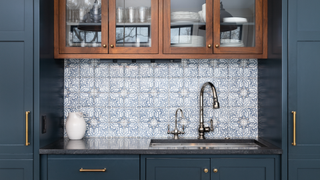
x=205, y=144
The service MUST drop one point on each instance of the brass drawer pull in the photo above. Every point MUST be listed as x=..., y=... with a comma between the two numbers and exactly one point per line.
x=93, y=170
x=294, y=128
x=27, y=129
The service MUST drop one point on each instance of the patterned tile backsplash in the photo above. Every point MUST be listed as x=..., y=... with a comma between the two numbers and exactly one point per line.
x=139, y=100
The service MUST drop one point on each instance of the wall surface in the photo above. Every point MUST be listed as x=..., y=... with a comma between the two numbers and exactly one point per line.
x=139, y=100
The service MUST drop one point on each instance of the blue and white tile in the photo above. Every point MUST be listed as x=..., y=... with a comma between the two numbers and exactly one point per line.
x=243, y=123
x=175, y=85
x=176, y=70
x=191, y=71
x=71, y=84
x=131, y=100
x=161, y=100
x=223, y=99
x=116, y=115
x=116, y=101
x=243, y=99
x=146, y=85
x=71, y=68
x=132, y=85
x=191, y=84
x=71, y=100
x=116, y=85
x=146, y=114
x=68, y=110
x=221, y=84
x=86, y=84
x=145, y=131
x=191, y=100
x=131, y=70
x=235, y=68
x=161, y=85
x=202, y=81
x=146, y=70
x=102, y=114
x=86, y=68
x=220, y=68
x=205, y=69
x=116, y=70
x=250, y=72
x=102, y=85
x=161, y=70
x=161, y=114
x=102, y=100
x=132, y=115
x=176, y=100
x=145, y=100
x=102, y=70
x=160, y=131
x=86, y=100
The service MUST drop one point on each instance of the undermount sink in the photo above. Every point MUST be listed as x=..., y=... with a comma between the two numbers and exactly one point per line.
x=206, y=144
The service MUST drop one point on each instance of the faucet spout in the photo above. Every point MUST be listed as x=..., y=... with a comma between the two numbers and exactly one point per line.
x=216, y=105
x=176, y=127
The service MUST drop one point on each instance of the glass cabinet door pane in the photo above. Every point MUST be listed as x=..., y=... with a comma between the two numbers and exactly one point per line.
x=133, y=23
x=188, y=23
x=83, y=23
x=237, y=23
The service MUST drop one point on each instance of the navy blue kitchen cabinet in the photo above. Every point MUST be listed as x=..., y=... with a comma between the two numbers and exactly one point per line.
x=16, y=90
x=205, y=168
x=173, y=169
x=83, y=167
x=246, y=169
x=303, y=90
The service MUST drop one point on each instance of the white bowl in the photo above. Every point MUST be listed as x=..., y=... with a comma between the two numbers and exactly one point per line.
x=235, y=20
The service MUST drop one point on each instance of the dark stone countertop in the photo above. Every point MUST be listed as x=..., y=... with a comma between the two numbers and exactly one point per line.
x=142, y=146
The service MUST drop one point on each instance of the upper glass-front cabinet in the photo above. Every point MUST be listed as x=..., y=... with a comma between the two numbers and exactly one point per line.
x=238, y=26
x=84, y=26
x=134, y=26
x=188, y=26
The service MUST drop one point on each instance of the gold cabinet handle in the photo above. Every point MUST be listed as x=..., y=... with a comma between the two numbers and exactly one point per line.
x=217, y=45
x=93, y=170
x=205, y=170
x=27, y=129
x=112, y=46
x=294, y=128
x=215, y=170
x=104, y=46
x=209, y=46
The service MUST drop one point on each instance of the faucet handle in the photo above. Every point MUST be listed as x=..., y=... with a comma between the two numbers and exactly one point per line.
x=168, y=128
x=211, y=122
x=182, y=129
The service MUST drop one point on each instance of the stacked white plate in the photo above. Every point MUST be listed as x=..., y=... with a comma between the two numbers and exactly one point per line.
x=188, y=41
x=235, y=20
x=185, y=16
x=231, y=43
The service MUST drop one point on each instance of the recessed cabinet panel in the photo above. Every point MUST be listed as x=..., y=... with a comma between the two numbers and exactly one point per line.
x=248, y=169
x=302, y=169
x=16, y=95
x=84, y=26
x=13, y=169
x=173, y=169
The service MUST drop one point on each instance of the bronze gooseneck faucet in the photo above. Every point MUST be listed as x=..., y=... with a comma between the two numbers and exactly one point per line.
x=202, y=129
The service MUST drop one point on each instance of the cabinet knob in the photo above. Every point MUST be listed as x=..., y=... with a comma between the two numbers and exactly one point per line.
x=215, y=170
x=205, y=170
x=209, y=46
x=217, y=46
x=104, y=46
x=112, y=46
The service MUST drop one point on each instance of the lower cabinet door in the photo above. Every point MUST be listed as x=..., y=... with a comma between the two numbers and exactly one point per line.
x=177, y=169
x=16, y=169
x=242, y=169
x=304, y=169
x=95, y=168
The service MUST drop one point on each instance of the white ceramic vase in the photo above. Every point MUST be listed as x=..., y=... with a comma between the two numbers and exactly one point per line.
x=75, y=126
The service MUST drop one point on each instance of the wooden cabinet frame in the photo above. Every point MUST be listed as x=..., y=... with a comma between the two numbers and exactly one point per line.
x=159, y=49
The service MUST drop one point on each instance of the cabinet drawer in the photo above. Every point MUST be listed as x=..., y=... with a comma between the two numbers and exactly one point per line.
x=117, y=168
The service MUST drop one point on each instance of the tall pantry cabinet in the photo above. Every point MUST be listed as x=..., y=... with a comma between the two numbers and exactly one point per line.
x=303, y=89
x=16, y=89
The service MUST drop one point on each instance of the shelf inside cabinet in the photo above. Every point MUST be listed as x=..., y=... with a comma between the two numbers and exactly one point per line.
x=229, y=23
